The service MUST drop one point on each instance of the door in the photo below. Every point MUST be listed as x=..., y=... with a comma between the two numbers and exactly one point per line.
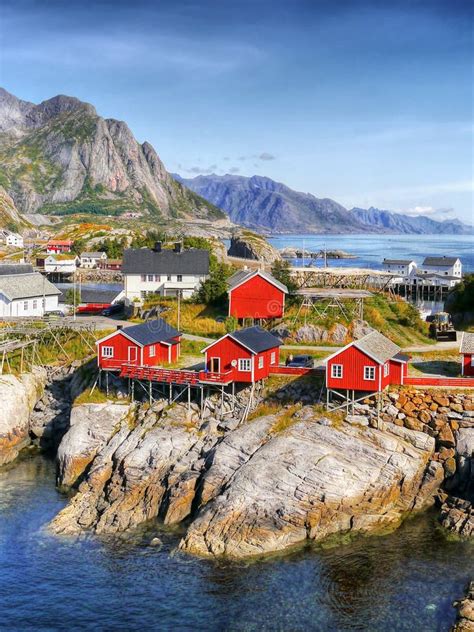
x=215, y=365
x=132, y=354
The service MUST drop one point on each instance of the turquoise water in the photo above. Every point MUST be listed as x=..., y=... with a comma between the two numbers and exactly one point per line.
x=403, y=581
x=371, y=249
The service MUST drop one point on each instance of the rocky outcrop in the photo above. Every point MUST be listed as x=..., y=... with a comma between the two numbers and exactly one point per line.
x=465, y=612
x=18, y=396
x=90, y=426
x=338, y=335
x=457, y=515
x=248, y=488
x=247, y=245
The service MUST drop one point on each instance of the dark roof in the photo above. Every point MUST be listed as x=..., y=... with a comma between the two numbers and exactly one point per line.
x=256, y=339
x=440, y=261
x=244, y=275
x=402, y=357
x=15, y=268
x=150, y=332
x=147, y=261
x=401, y=262
x=98, y=296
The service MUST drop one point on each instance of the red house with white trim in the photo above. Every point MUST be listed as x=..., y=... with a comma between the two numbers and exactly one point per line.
x=467, y=351
x=256, y=294
x=153, y=343
x=247, y=353
x=369, y=364
x=59, y=246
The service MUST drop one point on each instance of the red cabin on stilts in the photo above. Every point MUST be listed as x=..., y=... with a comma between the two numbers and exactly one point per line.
x=153, y=343
x=248, y=353
x=467, y=352
x=256, y=294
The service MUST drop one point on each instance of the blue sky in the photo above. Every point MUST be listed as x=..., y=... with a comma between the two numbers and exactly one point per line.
x=369, y=103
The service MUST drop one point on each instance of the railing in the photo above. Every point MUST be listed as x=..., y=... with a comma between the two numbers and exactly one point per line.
x=293, y=370
x=174, y=376
x=216, y=377
x=465, y=382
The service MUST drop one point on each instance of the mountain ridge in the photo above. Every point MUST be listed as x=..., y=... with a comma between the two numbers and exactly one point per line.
x=263, y=204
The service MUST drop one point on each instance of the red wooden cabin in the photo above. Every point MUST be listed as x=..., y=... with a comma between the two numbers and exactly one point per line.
x=467, y=352
x=247, y=353
x=153, y=343
x=256, y=294
x=58, y=246
x=369, y=364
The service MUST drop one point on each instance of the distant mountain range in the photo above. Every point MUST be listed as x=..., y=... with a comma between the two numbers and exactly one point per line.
x=268, y=206
x=60, y=157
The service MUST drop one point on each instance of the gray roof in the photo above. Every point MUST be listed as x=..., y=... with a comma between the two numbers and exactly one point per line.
x=15, y=268
x=18, y=286
x=92, y=255
x=440, y=261
x=402, y=357
x=147, y=261
x=98, y=296
x=401, y=262
x=377, y=346
x=244, y=275
x=151, y=332
x=467, y=343
x=256, y=339
x=433, y=275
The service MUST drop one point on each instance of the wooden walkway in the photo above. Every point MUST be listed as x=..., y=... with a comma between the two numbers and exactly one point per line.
x=466, y=382
x=175, y=376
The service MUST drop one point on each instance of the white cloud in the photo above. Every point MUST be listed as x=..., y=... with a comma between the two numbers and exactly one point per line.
x=428, y=211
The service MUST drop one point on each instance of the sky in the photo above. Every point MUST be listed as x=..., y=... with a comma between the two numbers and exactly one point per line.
x=368, y=103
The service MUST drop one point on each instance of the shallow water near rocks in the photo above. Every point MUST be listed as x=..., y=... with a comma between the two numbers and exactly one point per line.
x=403, y=581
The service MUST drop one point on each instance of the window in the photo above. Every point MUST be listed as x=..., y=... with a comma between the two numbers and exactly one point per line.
x=472, y=359
x=169, y=277
x=143, y=293
x=150, y=277
x=35, y=304
x=157, y=278
x=152, y=351
x=107, y=352
x=245, y=364
x=143, y=277
x=369, y=373
x=260, y=362
x=179, y=278
x=336, y=370
x=273, y=358
x=386, y=369
x=25, y=305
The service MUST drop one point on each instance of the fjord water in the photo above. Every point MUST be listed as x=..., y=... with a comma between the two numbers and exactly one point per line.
x=370, y=250
x=402, y=581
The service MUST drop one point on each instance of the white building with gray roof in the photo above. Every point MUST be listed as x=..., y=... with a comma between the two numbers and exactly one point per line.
x=26, y=295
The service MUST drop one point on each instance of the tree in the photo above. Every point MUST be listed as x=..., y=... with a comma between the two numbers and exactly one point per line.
x=73, y=297
x=213, y=291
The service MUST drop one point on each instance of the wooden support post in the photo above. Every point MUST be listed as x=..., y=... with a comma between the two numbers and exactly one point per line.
x=189, y=397
x=347, y=401
x=133, y=391
x=107, y=383
x=150, y=395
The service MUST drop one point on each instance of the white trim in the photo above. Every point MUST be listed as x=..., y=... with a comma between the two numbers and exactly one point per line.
x=234, y=339
x=354, y=344
x=239, y=365
x=337, y=377
x=252, y=276
x=169, y=354
x=136, y=354
x=370, y=379
x=261, y=362
x=107, y=355
x=116, y=333
x=219, y=364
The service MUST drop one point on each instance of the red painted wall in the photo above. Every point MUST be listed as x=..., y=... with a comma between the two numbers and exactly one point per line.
x=228, y=349
x=353, y=362
x=256, y=298
x=121, y=344
x=468, y=369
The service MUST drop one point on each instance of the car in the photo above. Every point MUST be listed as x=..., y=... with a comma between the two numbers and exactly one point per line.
x=302, y=361
x=54, y=313
x=116, y=308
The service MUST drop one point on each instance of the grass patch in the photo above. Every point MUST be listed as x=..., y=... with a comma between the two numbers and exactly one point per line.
x=89, y=397
x=285, y=419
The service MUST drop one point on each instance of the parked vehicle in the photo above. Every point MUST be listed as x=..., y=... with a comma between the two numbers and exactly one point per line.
x=116, y=308
x=305, y=361
x=54, y=314
x=441, y=326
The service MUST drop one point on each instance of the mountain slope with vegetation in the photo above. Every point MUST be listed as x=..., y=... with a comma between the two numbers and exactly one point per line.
x=60, y=157
x=268, y=206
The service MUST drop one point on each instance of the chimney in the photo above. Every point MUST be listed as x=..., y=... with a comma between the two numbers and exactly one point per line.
x=177, y=246
x=157, y=246
x=119, y=327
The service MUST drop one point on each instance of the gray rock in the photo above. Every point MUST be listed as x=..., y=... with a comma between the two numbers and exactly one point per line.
x=357, y=420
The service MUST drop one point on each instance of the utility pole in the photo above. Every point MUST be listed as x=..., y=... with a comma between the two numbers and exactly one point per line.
x=74, y=294
x=179, y=308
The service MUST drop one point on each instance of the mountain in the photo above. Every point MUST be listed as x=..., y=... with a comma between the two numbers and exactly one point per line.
x=388, y=221
x=60, y=157
x=10, y=218
x=265, y=205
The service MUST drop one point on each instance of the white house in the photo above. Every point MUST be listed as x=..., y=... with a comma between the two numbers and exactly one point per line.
x=65, y=264
x=403, y=268
x=442, y=266
x=164, y=272
x=13, y=239
x=29, y=294
x=92, y=259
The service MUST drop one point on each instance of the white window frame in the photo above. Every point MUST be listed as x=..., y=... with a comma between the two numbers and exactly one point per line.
x=35, y=303
x=25, y=305
x=143, y=278
x=386, y=369
x=107, y=352
x=150, y=278
x=472, y=359
x=337, y=371
x=152, y=352
x=179, y=278
x=273, y=358
x=261, y=362
x=245, y=365
x=369, y=371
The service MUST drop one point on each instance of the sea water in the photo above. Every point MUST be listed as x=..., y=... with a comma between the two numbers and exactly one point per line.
x=403, y=581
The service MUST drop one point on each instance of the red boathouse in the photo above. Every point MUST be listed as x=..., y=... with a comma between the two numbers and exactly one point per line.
x=467, y=352
x=256, y=294
x=369, y=364
x=153, y=343
x=248, y=353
